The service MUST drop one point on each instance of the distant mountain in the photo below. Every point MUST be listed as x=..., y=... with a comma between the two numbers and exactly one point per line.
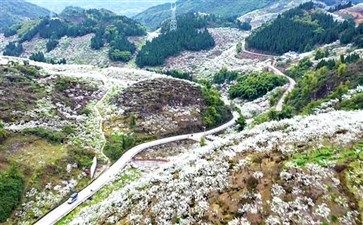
x=154, y=16
x=284, y=33
x=121, y=7
x=99, y=29
x=13, y=11
x=333, y=2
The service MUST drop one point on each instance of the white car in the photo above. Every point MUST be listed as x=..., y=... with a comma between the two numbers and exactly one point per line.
x=73, y=198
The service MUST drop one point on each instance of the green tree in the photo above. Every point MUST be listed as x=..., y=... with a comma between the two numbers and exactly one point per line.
x=239, y=47
x=342, y=68
x=52, y=44
x=191, y=35
x=97, y=42
x=117, y=55
x=255, y=85
x=38, y=56
x=117, y=145
x=11, y=189
x=3, y=133
x=241, y=122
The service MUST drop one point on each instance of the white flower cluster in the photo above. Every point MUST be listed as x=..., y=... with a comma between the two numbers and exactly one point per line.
x=255, y=206
x=38, y=202
x=41, y=117
x=306, y=184
x=258, y=106
x=331, y=104
x=239, y=221
x=180, y=188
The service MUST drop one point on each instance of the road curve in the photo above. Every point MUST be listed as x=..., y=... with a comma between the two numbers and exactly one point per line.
x=292, y=82
x=58, y=213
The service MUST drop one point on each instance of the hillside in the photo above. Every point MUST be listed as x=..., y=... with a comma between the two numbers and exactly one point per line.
x=355, y=12
x=270, y=173
x=122, y=7
x=103, y=27
x=224, y=121
x=14, y=11
x=192, y=35
x=284, y=33
x=154, y=16
x=53, y=120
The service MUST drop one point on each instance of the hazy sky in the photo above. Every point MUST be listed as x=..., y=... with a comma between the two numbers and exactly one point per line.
x=124, y=7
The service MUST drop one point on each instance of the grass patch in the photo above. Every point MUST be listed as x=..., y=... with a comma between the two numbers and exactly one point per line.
x=327, y=156
x=130, y=175
x=346, y=160
x=32, y=151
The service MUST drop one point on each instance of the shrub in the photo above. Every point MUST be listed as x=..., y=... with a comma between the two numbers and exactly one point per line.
x=38, y=56
x=216, y=111
x=83, y=157
x=241, y=122
x=255, y=85
x=117, y=145
x=203, y=141
x=11, y=189
x=224, y=76
x=117, y=55
x=52, y=136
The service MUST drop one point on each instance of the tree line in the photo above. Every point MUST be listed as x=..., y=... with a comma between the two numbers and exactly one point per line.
x=328, y=80
x=191, y=35
x=255, y=85
x=107, y=28
x=300, y=30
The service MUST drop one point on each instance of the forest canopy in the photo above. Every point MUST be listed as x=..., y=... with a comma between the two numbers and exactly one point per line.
x=191, y=35
x=300, y=30
x=255, y=85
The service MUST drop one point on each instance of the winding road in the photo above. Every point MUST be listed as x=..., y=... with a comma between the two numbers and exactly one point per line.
x=58, y=213
x=292, y=82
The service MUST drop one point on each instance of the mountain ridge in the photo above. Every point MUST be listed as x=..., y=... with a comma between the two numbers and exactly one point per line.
x=13, y=11
x=154, y=16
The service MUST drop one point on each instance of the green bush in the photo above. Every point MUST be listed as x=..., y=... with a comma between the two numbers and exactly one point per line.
x=52, y=136
x=179, y=74
x=3, y=133
x=117, y=145
x=38, y=56
x=216, y=111
x=241, y=122
x=275, y=97
x=255, y=85
x=355, y=103
x=286, y=113
x=224, y=76
x=117, y=55
x=11, y=189
x=83, y=157
x=203, y=141
x=63, y=84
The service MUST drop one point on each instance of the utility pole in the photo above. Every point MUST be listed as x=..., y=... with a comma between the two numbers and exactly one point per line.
x=173, y=22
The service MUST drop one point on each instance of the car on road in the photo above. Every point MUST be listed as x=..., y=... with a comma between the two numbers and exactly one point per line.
x=73, y=198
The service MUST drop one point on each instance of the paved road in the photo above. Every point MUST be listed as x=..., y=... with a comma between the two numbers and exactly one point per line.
x=61, y=211
x=292, y=82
